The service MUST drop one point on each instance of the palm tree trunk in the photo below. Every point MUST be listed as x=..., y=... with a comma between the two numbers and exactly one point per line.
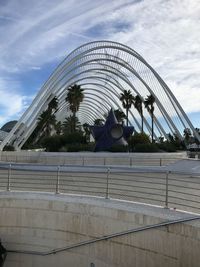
x=152, y=130
x=142, y=122
x=127, y=117
x=74, y=126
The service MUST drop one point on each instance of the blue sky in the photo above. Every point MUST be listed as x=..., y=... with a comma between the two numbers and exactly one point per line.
x=36, y=35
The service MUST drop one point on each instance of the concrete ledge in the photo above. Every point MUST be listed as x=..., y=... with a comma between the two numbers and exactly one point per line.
x=90, y=158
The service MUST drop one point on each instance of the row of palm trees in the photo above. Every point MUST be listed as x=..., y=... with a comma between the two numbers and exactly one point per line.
x=128, y=100
x=47, y=120
x=47, y=123
x=75, y=95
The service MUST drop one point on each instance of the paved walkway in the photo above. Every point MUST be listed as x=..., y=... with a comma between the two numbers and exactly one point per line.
x=185, y=165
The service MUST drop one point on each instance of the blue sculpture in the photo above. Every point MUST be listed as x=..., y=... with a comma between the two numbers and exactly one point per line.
x=110, y=134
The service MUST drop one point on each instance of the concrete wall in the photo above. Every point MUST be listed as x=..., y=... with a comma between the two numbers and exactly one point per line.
x=89, y=158
x=45, y=221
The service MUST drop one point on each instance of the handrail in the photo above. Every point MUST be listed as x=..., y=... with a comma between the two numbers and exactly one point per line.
x=106, y=237
x=91, y=168
x=151, y=185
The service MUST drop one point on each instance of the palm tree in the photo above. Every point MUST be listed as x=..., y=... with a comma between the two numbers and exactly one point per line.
x=127, y=100
x=187, y=135
x=58, y=128
x=69, y=123
x=74, y=97
x=87, y=131
x=138, y=106
x=46, y=122
x=47, y=119
x=53, y=105
x=149, y=105
x=98, y=122
x=195, y=139
x=120, y=116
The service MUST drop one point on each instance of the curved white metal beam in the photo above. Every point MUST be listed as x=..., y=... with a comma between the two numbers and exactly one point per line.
x=118, y=65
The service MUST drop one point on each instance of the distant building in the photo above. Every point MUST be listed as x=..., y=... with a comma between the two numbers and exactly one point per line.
x=8, y=126
x=5, y=129
x=2, y=135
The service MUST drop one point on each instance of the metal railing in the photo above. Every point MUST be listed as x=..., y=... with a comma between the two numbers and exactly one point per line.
x=106, y=237
x=144, y=185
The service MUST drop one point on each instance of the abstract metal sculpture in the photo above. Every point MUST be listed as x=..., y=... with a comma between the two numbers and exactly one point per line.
x=111, y=134
x=104, y=69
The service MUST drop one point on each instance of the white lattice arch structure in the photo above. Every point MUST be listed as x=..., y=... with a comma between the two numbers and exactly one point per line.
x=104, y=69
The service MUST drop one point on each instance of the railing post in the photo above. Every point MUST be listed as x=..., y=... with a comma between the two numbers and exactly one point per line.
x=9, y=176
x=160, y=162
x=58, y=180
x=166, y=190
x=107, y=183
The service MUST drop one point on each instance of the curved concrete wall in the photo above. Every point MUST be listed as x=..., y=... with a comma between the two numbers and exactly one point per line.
x=40, y=222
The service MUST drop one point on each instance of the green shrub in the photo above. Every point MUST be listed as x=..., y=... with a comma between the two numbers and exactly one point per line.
x=8, y=148
x=52, y=143
x=73, y=138
x=138, y=138
x=118, y=148
x=77, y=147
x=146, y=148
x=167, y=146
x=73, y=147
x=68, y=142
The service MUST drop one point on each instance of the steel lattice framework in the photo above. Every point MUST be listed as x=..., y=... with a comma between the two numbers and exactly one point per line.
x=104, y=69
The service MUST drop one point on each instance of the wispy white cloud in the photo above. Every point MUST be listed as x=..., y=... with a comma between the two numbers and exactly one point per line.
x=12, y=103
x=49, y=30
x=165, y=33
